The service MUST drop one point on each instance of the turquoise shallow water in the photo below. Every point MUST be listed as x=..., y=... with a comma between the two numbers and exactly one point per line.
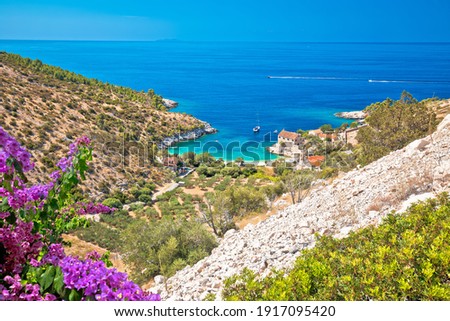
x=228, y=84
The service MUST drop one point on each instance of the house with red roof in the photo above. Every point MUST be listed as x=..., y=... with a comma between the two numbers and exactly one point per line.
x=323, y=136
x=316, y=161
x=289, y=138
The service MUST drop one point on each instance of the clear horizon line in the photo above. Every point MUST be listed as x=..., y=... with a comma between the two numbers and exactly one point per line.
x=230, y=41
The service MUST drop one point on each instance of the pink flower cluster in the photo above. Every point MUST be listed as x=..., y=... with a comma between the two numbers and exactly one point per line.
x=23, y=196
x=18, y=292
x=12, y=148
x=82, y=208
x=19, y=196
x=20, y=245
x=94, y=279
x=65, y=163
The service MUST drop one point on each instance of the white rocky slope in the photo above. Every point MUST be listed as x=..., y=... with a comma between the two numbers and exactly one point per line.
x=360, y=198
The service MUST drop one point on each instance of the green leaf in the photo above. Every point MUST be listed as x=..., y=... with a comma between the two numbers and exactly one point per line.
x=47, y=278
x=74, y=295
x=58, y=283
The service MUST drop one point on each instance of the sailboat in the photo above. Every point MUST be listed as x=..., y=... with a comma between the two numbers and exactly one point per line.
x=257, y=128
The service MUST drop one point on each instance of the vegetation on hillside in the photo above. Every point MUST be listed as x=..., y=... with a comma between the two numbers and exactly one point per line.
x=164, y=247
x=392, y=126
x=45, y=107
x=407, y=257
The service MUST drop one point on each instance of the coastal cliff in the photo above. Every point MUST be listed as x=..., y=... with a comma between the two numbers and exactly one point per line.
x=360, y=198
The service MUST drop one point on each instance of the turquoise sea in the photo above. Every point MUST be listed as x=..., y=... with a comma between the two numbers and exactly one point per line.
x=236, y=85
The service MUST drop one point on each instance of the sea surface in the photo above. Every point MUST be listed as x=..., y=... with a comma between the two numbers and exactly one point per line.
x=238, y=85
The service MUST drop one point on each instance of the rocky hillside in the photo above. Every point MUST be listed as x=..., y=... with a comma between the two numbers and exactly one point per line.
x=360, y=198
x=46, y=108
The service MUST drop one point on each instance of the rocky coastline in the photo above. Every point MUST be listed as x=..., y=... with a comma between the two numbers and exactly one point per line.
x=189, y=135
x=357, y=114
x=168, y=103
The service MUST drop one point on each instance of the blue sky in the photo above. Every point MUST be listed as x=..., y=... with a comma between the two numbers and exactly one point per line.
x=227, y=20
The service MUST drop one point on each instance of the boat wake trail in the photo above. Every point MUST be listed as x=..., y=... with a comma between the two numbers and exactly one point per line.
x=411, y=81
x=311, y=78
x=415, y=81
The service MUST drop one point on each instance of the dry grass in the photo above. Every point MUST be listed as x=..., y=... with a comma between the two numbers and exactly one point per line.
x=47, y=114
x=80, y=248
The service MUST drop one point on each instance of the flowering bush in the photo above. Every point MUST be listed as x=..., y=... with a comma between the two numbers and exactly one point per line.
x=33, y=265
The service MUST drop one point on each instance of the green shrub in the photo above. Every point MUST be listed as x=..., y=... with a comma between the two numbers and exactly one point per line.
x=113, y=202
x=146, y=191
x=328, y=172
x=163, y=247
x=147, y=199
x=406, y=258
x=101, y=235
x=393, y=125
x=118, y=219
x=136, y=206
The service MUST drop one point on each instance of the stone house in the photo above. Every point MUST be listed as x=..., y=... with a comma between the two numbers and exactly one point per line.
x=171, y=162
x=289, y=138
x=319, y=133
x=350, y=135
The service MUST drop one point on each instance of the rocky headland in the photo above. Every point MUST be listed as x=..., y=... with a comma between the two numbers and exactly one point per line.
x=357, y=114
x=189, y=135
x=169, y=104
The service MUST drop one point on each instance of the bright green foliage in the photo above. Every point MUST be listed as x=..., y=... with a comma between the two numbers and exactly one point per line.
x=170, y=205
x=222, y=207
x=243, y=200
x=393, y=125
x=273, y=191
x=113, y=202
x=328, y=172
x=106, y=233
x=147, y=199
x=406, y=258
x=163, y=247
x=326, y=128
x=117, y=219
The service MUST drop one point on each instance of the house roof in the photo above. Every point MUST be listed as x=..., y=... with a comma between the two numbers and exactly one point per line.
x=330, y=136
x=288, y=135
x=315, y=132
x=319, y=133
x=316, y=160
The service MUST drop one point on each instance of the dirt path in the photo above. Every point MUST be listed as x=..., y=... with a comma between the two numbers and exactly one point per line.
x=156, y=207
x=164, y=189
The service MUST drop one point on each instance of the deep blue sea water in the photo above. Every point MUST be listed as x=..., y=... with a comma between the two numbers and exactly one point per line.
x=228, y=84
